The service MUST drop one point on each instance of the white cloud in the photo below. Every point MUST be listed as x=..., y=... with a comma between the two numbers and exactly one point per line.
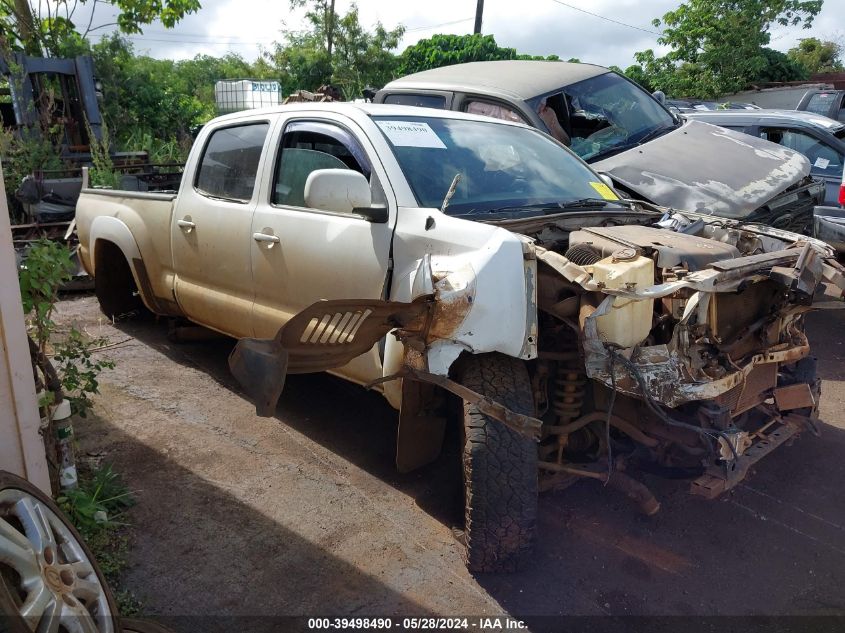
x=539, y=27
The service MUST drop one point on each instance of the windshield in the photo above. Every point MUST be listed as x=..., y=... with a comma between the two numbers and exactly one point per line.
x=500, y=166
x=608, y=113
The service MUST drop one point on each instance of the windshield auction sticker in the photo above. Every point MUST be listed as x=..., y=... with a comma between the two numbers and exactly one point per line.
x=604, y=191
x=411, y=134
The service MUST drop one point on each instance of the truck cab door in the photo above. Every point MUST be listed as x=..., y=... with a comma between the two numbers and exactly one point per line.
x=302, y=255
x=211, y=229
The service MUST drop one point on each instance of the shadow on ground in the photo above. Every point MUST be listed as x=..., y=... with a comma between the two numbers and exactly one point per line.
x=240, y=567
x=351, y=422
x=773, y=546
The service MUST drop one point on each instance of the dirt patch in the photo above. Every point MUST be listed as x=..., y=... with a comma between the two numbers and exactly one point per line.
x=304, y=513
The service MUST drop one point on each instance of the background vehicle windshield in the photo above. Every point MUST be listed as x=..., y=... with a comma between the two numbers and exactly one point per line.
x=500, y=165
x=608, y=112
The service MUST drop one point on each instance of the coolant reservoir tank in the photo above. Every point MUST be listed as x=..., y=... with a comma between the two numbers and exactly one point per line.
x=628, y=322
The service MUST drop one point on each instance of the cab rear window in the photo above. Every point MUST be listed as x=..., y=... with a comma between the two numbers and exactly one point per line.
x=420, y=101
x=230, y=162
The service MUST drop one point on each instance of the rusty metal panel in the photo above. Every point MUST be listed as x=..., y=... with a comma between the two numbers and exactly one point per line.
x=731, y=313
x=718, y=480
x=730, y=398
x=794, y=397
x=757, y=384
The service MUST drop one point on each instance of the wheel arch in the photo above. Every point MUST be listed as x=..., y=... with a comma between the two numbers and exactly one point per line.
x=110, y=241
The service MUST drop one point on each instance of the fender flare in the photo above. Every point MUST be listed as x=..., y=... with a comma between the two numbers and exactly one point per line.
x=111, y=229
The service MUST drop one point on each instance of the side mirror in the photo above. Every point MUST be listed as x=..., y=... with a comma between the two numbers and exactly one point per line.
x=342, y=191
x=660, y=96
x=607, y=180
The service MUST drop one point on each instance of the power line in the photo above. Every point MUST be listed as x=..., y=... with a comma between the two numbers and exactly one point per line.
x=142, y=39
x=602, y=17
x=201, y=38
x=437, y=26
x=202, y=35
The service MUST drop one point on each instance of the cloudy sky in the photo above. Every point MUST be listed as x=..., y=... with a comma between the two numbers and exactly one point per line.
x=539, y=27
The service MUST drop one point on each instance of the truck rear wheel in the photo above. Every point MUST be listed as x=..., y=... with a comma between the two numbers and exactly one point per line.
x=499, y=467
x=114, y=284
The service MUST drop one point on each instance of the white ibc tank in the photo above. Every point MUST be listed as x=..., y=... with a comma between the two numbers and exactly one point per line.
x=628, y=322
x=245, y=94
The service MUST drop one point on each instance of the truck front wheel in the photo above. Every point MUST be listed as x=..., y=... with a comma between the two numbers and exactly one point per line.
x=499, y=467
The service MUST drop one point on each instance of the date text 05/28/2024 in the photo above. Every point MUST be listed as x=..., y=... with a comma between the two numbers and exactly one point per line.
x=417, y=624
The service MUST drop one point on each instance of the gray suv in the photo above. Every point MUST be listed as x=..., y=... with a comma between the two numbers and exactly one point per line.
x=624, y=132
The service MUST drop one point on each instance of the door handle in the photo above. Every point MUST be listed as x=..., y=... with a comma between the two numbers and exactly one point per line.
x=264, y=237
x=185, y=224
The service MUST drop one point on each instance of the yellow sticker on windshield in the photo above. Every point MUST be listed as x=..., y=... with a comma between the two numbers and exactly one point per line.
x=604, y=191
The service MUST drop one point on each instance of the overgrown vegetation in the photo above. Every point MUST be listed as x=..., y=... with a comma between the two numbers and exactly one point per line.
x=32, y=150
x=719, y=47
x=79, y=367
x=716, y=47
x=102, y=173
x=98, y=503
x=817, y=56
x=48, y=266
x=445, y=50
x=97, y=507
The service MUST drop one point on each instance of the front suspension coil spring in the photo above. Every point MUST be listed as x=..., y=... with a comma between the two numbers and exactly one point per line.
x=569, y=394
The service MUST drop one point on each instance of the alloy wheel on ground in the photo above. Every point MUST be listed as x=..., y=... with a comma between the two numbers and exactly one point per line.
x=49, y=581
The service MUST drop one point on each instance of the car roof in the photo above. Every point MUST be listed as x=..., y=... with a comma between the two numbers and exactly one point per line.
x=523, y=79
x=769, y=116
x=355, y=110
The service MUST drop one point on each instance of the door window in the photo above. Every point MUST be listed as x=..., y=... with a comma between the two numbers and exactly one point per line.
x=230, y=162
x=495, y=110
x=309, y=146
x=824, y=159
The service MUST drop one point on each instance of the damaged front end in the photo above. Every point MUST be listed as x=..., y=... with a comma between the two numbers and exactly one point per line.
x=676, y=343
x=703, y=370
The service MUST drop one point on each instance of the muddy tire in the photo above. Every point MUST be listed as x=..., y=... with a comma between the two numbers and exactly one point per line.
x=499, y=468
x=45, y=564
x=115, y=286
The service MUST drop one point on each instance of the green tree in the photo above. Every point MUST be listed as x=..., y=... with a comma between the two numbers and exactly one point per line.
x=780, y=67
x=817, y=56
x=358, y=58
x=323, y=18
x=362, y=58
x=717, y=45
x=48, y=28
x=445, y=50
x=142, y=92
x=637, y=74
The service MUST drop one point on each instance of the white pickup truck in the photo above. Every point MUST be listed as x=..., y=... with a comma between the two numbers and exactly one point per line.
x=425, y=252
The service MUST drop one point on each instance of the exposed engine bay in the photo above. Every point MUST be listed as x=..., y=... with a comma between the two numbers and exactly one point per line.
x=673, y=341
x=677, y=344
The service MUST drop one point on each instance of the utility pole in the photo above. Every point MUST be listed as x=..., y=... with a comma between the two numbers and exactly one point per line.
x=479, y=10
x=330, y=30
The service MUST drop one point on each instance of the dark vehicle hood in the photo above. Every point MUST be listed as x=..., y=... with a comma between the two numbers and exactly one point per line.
x=708, y=169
